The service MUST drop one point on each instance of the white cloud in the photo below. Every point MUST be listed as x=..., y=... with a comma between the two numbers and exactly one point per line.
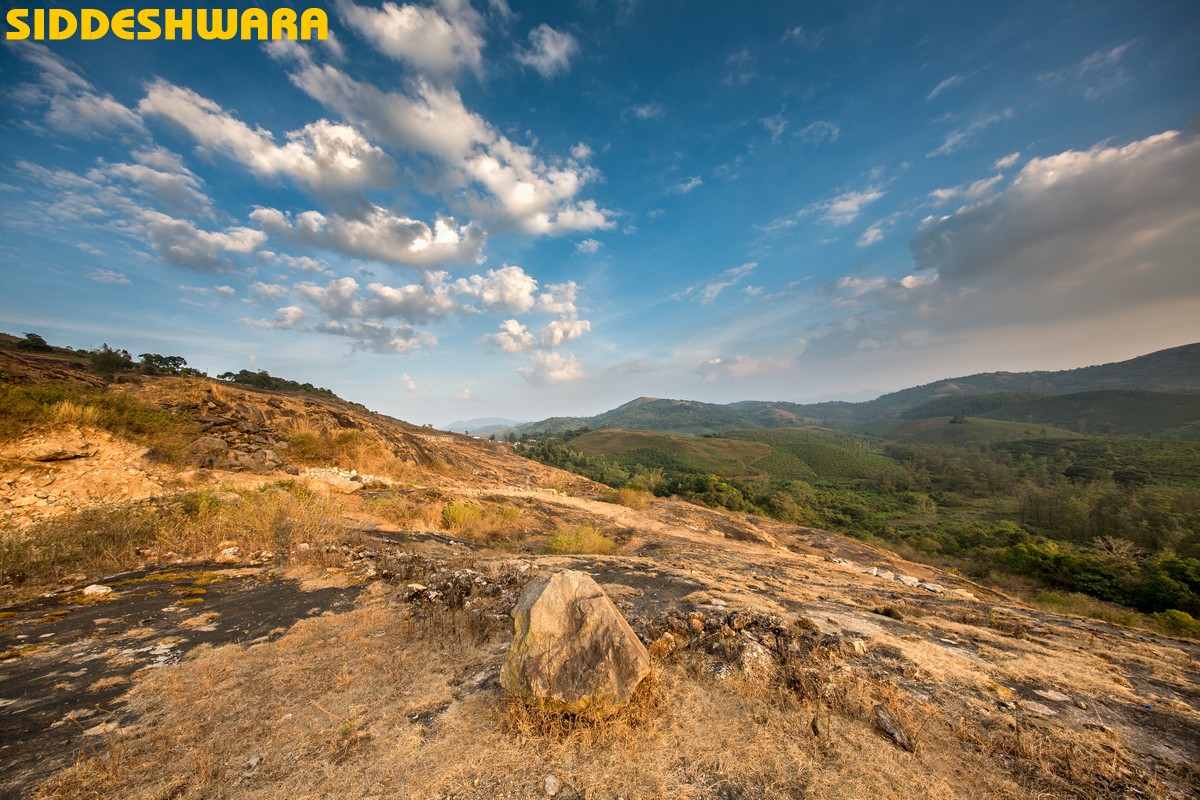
x=512, y=337
x=738, y=367
x=686, y=186
x=845, y=207
x=176, y=189
x=416, y=302
x=709, y=292
x=108, y=276
x=478, y=170
x=805, y=37
x=872, y=235
x=334, y=161
x=972, y=191
x=181, y=243
x=268, y=291
x=465, y=395
x=409, y=384
x=961, y=137
x=1007, y=161
x=549, y=51
x=587, y=246
x=379, y=235
x=1081, y=247
x=562, y=330
x=438, y=41
x=551, y=368
x=559, y=298
x=649, y=111
x=820, y=131
x=742, y=66
x=948, y=83
x=775, y=124
x=506, y=289
x=1099, y=74
x=72, y=104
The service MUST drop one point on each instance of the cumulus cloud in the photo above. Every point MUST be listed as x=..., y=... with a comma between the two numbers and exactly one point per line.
x=548, y=367
x=168, y=184
x=549, y=51
x=334, y=161
x=379, y=235
x=181, y=243
x=480, y=171
x=512, y=337
x=1086, y=245
x=562, y=330
x=559, y=298
x=506, y=289
x=587, y=246
x=437, y=40
x=409, y=384
x=72, y=104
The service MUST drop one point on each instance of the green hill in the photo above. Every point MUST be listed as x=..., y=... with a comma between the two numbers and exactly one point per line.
x=781, y=454
x=1112, y=413
x=976, y=430
x=1117, y=391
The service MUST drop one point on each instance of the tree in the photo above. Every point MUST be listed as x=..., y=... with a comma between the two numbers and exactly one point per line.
x=153, y=363
x=34, y=344
x=107, y=362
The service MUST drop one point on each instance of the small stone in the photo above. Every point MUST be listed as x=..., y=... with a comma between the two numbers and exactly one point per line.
x=96, y=590
x=891, y=727
x=931, y=587
x=553, y=785
x=1039, y=709
x=1053, y=696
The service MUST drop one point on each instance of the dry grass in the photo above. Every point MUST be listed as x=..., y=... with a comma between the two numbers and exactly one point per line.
x=350, y=449
x=637, y=499
x=580, y=539
x=196, y=525
x=377, y=702
x=482, y=521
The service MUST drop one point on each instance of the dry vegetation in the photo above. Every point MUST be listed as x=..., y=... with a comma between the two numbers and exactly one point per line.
x=275, y=518
x=386, y=701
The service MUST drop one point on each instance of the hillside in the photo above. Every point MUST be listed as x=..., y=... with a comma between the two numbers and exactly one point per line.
x=1175, y=372
x=217, y=591
x=968, y=431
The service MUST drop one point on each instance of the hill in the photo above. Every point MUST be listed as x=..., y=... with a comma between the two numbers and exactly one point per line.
x=215, y=590
x=959, y=431
x=1175, y=371
x=1111, y=412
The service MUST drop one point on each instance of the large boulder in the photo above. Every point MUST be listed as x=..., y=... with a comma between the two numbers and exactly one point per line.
x=572, y=649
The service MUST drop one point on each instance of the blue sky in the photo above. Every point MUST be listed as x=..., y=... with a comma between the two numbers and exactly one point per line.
x=462, y=210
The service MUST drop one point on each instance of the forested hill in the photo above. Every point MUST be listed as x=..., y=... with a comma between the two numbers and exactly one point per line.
x=1175, y=371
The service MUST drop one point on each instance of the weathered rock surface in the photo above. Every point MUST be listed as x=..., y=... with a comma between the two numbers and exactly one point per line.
x=572, y=648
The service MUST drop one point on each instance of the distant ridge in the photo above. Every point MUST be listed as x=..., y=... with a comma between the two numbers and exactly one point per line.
x=1156, y=383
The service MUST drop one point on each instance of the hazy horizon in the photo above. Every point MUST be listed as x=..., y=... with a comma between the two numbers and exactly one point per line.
x=454, y=210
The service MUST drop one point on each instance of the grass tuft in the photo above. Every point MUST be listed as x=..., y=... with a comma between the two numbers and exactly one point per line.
x=580, y=539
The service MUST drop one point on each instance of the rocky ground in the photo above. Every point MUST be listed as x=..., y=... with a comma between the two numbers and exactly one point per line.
x=788, y=662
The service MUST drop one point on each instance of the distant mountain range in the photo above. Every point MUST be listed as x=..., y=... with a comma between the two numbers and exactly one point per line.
x=1155, y=395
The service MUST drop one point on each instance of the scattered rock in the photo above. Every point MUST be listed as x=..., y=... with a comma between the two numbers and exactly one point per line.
x=1052, y=695
x=553, y=785
x=889, y=726
x=931, y=587
x=1036, y=708
x=572, y=648
x=96, y=590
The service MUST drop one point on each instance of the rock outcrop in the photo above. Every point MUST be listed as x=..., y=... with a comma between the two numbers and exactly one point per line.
x=572, y=649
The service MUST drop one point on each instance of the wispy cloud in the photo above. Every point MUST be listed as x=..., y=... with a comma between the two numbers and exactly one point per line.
x=1100, y=73
x=948, y=83
x=691, y=183
x=710, y=291
x=648, y=111
x=960, y=138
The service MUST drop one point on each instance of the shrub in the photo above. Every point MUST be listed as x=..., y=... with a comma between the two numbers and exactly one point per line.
x=580, y=539
x=1177, y=623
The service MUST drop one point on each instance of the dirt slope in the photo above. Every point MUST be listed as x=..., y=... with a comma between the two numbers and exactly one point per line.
x=779, y=649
